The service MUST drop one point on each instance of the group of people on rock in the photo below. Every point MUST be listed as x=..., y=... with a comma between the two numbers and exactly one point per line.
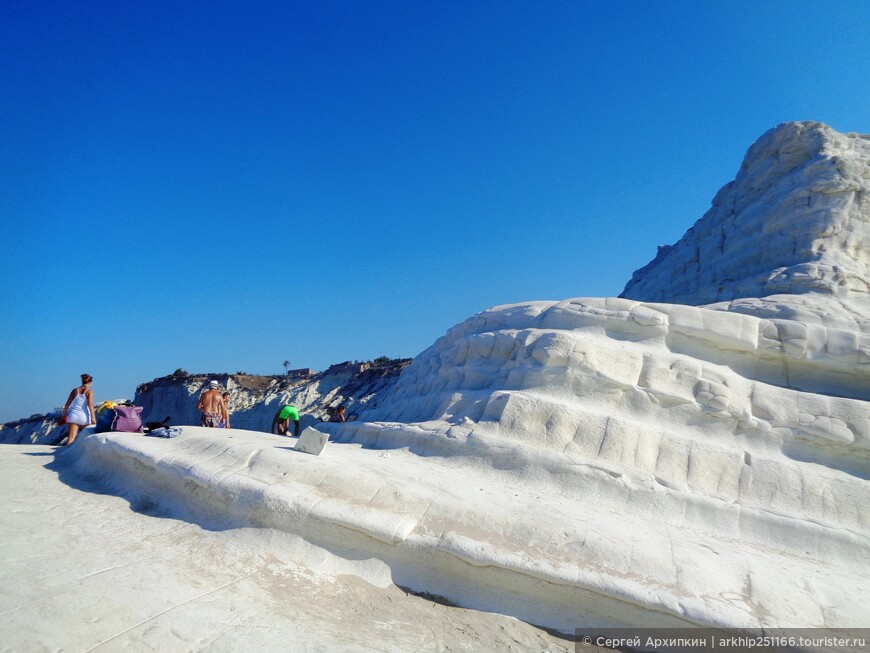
x=213, y=405
x=216, y=414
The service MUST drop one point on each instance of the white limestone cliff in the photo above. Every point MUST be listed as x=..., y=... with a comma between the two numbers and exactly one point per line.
x=716, y=458
x=696, y=452
x=792, y=228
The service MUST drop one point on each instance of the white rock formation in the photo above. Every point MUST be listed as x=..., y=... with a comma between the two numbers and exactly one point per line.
x=677, y=465
x=792, y=227
x=695, y=453
x=714, y=460
x=83, y=569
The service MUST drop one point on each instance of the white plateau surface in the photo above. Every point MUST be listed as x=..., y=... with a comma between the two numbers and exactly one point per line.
x=97, y=559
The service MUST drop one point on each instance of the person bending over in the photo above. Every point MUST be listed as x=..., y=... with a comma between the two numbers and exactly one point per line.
x=282, y=419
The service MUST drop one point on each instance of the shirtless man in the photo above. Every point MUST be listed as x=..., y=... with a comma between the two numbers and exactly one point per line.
x=213, y=407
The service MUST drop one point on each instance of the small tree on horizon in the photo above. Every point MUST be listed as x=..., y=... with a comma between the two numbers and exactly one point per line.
x=286, y=365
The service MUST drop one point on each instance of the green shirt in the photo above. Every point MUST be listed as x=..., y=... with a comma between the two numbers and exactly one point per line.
x=289, y=411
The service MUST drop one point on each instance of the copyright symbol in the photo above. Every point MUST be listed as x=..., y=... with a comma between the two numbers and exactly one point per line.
x=587, y=641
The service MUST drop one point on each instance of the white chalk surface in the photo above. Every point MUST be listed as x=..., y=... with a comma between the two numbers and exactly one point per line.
x=103, y=561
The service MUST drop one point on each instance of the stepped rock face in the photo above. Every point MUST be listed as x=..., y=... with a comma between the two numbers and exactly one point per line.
x=691, y=477
x=793, y=228
x=717, y=457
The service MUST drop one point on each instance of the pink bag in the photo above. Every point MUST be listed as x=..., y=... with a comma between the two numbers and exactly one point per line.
x=127, y=419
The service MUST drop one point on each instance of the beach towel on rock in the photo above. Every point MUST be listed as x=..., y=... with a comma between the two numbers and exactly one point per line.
x=171, y=432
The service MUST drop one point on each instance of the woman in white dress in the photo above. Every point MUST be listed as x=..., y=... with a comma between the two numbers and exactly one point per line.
x=79, y=408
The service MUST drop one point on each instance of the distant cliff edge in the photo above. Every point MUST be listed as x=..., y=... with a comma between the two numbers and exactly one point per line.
x=254, y=399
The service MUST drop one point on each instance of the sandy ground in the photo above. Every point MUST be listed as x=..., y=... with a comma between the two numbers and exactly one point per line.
x=82, y=569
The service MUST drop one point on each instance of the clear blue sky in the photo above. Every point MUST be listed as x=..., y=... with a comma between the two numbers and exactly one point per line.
x=222, y=186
